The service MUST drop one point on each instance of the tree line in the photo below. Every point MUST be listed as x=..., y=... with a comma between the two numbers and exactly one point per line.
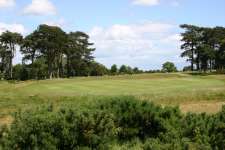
x=204, y=47
x=50, y=52
x=47, y=52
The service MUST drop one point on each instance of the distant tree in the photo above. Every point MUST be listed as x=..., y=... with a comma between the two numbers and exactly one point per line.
x=204, y=47
x=98, y=69
x=4, y=57
x=20, y=72
x=51, y=42
x=129, y=70
x=30, y=51
x=206, y=53
x=187, y=68
x=221, y=56
x=219, y=47
x=9, y=40
x=79, y=54
x=190, y=40
x=114, y=69
x=64, y=54
x=123, y=69
x=169, y=67
x=153, y=71
x=29, y=48
x=136, y=70
x=40, y=68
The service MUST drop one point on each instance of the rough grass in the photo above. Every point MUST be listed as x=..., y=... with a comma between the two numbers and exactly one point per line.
x=193, y=93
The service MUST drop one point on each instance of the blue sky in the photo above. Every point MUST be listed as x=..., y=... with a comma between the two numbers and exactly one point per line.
x=142, y=33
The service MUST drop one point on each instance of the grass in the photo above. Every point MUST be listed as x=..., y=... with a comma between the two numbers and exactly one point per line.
x=193, y=93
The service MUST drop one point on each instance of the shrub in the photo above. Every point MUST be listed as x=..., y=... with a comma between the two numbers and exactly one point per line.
x=114, y=123
x=66, y=129
x=141, y=119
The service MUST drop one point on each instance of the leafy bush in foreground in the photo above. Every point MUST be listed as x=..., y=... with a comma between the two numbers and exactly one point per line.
x=141, y=119
x=115, y=123
x=66, y=129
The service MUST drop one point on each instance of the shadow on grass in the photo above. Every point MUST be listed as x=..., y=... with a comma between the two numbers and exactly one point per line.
x=204, y=73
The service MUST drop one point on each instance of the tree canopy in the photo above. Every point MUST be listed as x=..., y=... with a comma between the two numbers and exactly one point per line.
x=169, y=67
x=49, y=52
x=204, y=47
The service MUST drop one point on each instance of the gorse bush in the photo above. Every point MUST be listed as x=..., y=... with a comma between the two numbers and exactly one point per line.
x=66, y=129
x=114, y=123
x=205, y=129
x=140, y=119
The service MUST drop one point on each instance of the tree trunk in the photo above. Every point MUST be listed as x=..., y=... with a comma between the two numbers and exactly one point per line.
x=68, y=66
x=50, y=73
x=10, y=61
x=61, y=69
x=59, y=66
x=58, y=70
x=211, y=65
x=192, y=57
x=198, y=63
x=192, y=60
x=10, y=68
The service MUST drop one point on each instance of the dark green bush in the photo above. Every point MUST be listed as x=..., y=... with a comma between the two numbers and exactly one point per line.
x=141, y=119
x=115, y=123
x=217, y=131
x=207, y=130
x=66, y=129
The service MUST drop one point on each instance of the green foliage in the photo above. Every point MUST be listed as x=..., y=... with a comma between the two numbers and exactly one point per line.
x=114, y=123
x=204, y=47
x=139, y=119
x=37, y=70
x=114, y=69
x=63, y=54
x=8, y=43
x=20, y=72
x=187, y=68
x=65, y=129
x=79, y=54
x=169, y=67
x=98, y=69
x=136, y=70
x=125, y=70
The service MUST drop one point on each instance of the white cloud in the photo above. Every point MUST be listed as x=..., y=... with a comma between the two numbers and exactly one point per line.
x=12, y=27
x=60, y=23
x=40, y=7
x=146, y=2
x=172, y=39
x=174, y=3
x=7, y=3
x=146, y=45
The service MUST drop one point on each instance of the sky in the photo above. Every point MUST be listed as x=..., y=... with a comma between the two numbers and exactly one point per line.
x=139, y=33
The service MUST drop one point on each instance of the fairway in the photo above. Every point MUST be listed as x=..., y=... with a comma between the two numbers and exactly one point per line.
x=192, y=93
x=158, y=85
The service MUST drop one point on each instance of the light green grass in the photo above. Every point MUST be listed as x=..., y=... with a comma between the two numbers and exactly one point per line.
x=164, y=89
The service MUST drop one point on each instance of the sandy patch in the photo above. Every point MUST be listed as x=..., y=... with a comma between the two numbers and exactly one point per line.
x=202, y=106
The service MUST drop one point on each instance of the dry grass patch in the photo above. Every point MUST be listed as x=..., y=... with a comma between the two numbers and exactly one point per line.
x=6, y=120
x=202, y=106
